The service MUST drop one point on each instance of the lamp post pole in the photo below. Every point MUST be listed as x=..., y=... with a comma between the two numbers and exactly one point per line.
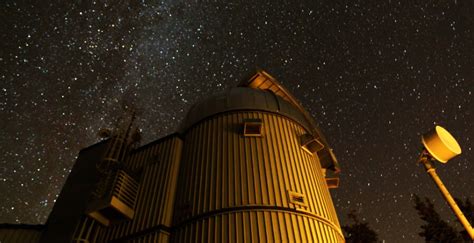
x=425, y=159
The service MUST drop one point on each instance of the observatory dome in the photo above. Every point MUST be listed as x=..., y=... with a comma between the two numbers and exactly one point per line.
x=241, y=99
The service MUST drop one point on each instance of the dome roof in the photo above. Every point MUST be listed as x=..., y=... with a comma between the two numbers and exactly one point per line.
x=242, y=98
x=261, y=92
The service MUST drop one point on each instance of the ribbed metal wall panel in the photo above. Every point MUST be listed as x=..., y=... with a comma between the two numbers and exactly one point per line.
x=221, y=170
x=159, y=164
x=20, y=235
x=257, y=226
x=153, y=237
x=86, y=230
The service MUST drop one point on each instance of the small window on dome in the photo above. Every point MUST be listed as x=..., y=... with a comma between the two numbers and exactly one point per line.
x=298, y=199
x=310, y=144
x=253, y=128
x=332, y=182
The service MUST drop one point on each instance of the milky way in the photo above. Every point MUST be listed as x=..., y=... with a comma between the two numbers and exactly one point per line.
x=374, y=75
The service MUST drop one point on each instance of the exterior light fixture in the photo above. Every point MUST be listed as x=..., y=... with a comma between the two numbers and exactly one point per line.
x=440, y=145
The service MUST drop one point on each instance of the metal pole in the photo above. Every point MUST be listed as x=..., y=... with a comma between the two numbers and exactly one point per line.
x=454, y=206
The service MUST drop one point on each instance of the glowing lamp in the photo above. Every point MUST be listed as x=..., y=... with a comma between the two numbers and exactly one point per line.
x=441, y=144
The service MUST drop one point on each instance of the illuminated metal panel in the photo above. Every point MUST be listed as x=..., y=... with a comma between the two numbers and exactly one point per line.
x=87, y=230
x=159, y=163
x=264, y=81
x=257, y=226
x=119, y=204
x=231, y=185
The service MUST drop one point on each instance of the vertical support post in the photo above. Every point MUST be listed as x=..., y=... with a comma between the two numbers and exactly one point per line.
x=430, y=169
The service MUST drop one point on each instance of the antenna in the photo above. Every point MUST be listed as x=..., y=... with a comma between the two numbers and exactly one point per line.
x=121, y=140
x=115, y=193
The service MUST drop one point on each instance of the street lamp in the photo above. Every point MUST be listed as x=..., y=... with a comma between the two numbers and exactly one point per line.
x=440, y=145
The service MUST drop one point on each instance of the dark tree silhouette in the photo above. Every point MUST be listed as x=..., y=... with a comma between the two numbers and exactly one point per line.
x=435, y=229
x=468, y=209
x=359, y=232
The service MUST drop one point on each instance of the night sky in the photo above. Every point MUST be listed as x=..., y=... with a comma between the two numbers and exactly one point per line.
x=374, y=75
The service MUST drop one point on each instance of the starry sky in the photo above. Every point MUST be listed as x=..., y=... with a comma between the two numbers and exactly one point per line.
x=375, y=75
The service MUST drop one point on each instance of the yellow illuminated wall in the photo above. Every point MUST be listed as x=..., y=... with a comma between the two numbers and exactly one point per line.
x=216, y=185
x=236, y=189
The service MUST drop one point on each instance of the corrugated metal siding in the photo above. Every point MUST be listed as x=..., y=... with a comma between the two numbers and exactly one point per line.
x=154, y=237
x=160, y=164
x=221, y=169
x=86, y=230
x=20, y=235
x=257, y=226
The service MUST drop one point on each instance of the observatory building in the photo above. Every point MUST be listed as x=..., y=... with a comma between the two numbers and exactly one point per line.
x=246, y=165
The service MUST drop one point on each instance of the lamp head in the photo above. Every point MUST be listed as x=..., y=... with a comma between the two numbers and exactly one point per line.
x=440, y=144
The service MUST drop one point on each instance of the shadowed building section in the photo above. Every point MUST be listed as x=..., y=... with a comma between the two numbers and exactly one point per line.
x=246, y=165
x=20, y=233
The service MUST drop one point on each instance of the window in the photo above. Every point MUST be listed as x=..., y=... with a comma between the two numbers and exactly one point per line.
x=332, y=182
x=331, y=177
x=298, y=199
x=118, y=202
x=310, y=144
x=253, y=128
